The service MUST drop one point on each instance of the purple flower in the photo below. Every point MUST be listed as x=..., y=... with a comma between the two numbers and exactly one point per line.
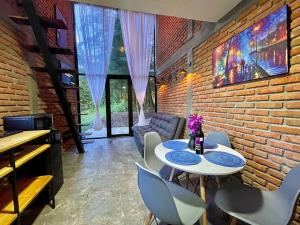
x=194, y=121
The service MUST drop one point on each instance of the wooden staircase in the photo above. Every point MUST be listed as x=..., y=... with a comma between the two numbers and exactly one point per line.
x=39, y=26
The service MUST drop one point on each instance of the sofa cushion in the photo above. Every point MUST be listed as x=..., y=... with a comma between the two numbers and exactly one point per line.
x=141, y=128
x=165, y=125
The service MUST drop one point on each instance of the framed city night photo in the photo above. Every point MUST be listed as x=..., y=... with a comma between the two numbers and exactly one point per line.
x=259, y=51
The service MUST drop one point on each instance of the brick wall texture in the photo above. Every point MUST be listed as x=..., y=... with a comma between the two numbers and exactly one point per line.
x=171, y=34
x=261, y=117
x=22, y=90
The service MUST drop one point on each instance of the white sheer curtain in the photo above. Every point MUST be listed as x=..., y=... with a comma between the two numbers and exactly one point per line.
x=95, y=31
x=138, y=36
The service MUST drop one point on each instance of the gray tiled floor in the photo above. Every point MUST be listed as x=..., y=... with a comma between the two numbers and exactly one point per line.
x=101, y=188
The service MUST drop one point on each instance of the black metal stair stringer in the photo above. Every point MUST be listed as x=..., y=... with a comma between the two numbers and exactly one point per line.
x=51, y=67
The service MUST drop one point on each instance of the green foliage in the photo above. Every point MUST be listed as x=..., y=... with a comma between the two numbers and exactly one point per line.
x=118, y=63
x=118, y=88
x=85, y=95
x=119, y=107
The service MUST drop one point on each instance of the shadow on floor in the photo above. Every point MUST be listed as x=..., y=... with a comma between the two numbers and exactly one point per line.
x=100, y=188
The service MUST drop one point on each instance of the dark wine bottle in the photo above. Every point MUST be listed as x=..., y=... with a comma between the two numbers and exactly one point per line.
x=199, y=140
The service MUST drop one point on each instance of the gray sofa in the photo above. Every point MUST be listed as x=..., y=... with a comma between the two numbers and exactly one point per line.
x=168, y=126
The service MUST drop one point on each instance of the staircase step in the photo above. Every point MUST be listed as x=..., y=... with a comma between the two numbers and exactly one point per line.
x=54, y=50
x=80, y=114
x=70, y=87
x=82, y=125
x=38, y=25
x=59, y=70
x=46, y=22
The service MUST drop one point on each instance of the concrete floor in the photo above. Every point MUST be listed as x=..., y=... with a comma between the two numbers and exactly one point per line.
x=103, y=132
x=101, y=188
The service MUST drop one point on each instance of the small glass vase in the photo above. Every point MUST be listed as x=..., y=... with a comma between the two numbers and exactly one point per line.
x=191, y=143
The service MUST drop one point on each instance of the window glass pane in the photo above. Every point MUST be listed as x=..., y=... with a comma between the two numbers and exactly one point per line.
x=152, y=63
x=118, y=63
x=79, y=47
x=149, y=102
x=118, y=66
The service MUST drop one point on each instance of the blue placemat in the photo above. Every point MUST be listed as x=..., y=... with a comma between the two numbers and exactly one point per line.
x=183, y=157
x=175, y=145
x=224, y=159
x=209, y=145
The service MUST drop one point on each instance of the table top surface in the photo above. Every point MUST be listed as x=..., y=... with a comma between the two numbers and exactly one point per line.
x=18, y=139
x=204, y=167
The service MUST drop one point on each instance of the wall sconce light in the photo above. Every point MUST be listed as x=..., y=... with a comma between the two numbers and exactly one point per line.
x=122, y=49
x=182, y=71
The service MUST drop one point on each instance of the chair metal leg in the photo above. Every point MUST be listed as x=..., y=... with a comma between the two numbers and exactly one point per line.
x=52, y=195
x=172, y=174
x=196, y=187
x=149, y=219
x=203, y=197
x=154, y=218
x=218, y=180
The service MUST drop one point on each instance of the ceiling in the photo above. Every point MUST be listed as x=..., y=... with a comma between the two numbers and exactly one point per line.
x=204, y=10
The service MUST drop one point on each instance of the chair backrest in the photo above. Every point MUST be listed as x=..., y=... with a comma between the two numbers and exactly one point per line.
x=219, y=138
x=179, y=129
x=151, y=140
x=157, y=196
x=289, y=192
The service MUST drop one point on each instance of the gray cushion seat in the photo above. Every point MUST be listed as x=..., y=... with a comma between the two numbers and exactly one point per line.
x=167, y=126
x=167, y=201
x=260, y=207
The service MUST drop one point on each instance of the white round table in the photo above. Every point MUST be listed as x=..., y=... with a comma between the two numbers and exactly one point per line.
x=203, y=168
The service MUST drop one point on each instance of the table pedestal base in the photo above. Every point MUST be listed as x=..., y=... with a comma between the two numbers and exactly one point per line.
x=203, y=197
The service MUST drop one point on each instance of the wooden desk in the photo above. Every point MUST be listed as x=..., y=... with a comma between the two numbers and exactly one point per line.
x=21, y=138
x=15, y=198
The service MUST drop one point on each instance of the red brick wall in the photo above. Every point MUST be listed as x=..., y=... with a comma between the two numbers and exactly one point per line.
x=17, y=80
x=261, y=117
x=173, y=90
x=47, y=8
x=14, y=93
x=171, y=34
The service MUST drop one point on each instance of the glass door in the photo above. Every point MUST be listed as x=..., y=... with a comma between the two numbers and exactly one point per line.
x=118, y=105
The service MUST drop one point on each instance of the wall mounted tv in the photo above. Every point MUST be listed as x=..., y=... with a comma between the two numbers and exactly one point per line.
x=259, y=51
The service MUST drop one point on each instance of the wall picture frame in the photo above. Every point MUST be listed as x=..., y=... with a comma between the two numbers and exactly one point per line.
x=260, y=51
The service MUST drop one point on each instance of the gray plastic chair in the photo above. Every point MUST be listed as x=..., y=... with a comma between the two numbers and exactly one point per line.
x=259, y=207
x=151, y=140
x=222, y=139
x=167, y=201
x=218, y=138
